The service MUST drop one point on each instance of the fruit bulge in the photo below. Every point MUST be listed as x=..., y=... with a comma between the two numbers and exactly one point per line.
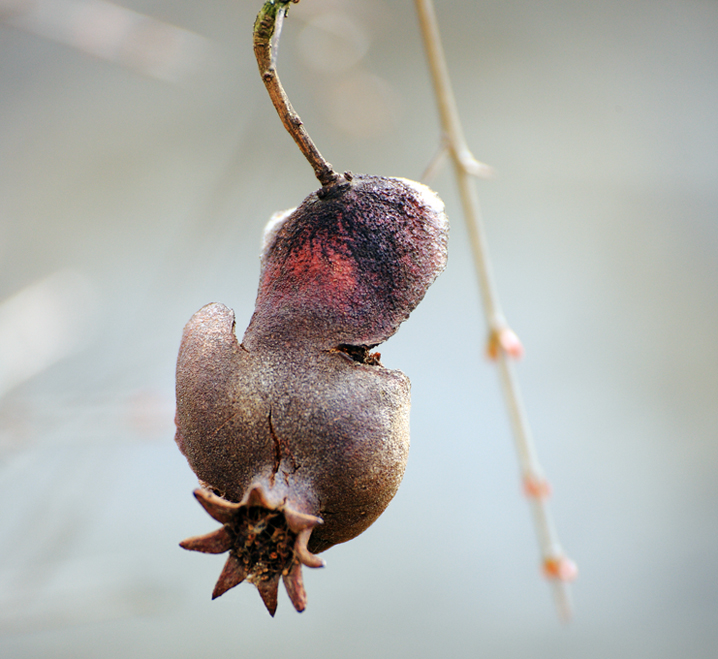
x=298, y=434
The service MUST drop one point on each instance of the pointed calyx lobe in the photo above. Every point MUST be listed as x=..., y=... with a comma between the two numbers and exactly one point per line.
x=351, y=262
x=264, y=543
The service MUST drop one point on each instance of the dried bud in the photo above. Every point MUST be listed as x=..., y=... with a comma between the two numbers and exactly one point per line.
x=299, y=429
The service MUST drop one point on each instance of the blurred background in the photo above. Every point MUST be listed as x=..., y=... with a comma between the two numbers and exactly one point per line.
x=139, y=160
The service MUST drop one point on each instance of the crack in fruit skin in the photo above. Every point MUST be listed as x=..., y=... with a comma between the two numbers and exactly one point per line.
x=300, y=429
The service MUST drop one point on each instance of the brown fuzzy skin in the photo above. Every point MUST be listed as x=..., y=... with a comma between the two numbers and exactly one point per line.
x=350, y=264
x=300, y=412
x=325, y=434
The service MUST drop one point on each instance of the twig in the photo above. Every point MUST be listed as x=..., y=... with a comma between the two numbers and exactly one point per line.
x=267, y=29
x=503, y=344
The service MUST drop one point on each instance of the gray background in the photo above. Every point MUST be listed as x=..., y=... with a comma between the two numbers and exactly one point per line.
x=149, y=199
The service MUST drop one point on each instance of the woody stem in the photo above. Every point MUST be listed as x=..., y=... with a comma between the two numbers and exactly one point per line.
x=267, y=29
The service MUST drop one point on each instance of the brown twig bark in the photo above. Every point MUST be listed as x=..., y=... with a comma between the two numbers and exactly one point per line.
x=267, y=29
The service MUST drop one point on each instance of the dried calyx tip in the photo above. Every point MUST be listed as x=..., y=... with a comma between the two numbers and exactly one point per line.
x=265, y=543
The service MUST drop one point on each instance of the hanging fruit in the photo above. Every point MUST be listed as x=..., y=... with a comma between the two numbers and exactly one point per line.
x=298, y=434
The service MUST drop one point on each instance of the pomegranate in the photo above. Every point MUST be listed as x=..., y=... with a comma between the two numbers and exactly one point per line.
x=299, y=435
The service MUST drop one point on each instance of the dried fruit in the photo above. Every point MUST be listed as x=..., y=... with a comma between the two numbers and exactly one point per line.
x=298, y=434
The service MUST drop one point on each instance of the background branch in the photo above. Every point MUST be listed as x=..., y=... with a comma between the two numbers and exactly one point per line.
x=503, y=344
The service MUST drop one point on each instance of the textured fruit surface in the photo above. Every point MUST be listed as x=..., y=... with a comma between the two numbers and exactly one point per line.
x=300, y=418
